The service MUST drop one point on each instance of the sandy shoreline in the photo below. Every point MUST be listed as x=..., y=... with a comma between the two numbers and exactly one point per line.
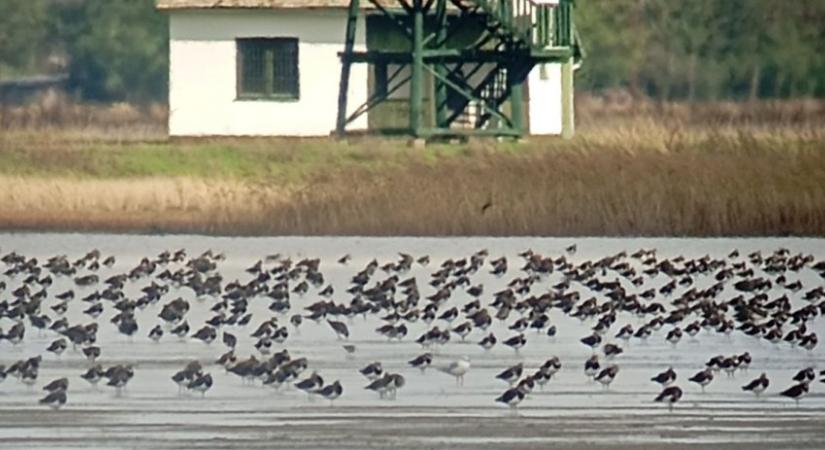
x=401, y=428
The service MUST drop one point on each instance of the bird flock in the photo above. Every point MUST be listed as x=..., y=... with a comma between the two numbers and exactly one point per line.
x=625, y=300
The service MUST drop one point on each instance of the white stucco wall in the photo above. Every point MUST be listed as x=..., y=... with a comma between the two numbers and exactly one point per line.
x=544, y=90
x=202, y=73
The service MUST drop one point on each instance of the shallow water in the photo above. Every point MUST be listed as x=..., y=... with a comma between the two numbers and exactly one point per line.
x=430, y=411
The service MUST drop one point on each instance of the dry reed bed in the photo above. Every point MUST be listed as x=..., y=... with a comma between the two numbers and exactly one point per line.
x=570, y=194
x=139, y=204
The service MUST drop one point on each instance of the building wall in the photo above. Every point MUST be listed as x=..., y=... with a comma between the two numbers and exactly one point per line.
x=544, y=91
x=202, y=74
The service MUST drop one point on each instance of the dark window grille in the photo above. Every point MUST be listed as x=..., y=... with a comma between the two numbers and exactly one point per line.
x=268, y=68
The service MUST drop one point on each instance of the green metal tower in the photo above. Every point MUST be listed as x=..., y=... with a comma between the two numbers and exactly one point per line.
x=470, y=58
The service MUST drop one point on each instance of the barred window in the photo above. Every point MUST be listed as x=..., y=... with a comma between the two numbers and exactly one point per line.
x=268, y=68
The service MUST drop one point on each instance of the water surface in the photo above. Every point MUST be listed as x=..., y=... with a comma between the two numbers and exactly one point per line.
x=430, y=411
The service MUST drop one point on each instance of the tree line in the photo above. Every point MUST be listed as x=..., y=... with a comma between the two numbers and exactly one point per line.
x=663, y=49
x=704, y=49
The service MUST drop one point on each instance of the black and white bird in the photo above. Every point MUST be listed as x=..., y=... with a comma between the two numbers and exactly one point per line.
x=512, y=397
x=607, y=375
x=387, y=386
x=796, y=392
x=449, y=315
x=808, y=342
x=201, y=383
x=540, y=377
x=60, y=384
x=206, y=334
x=805, y=375
x=280, y=334
x=669, y=395
x=592, y=341
x=693, y=329
x=422, y=361
x=264, y=345
x=625, y=333
x=516, y=342
x=58, y=346
x=702, y=378
x=674, y=335
x=551, y=366
x=592, y=366
x=93, y=374
x=611, y=350
x=311, y=383
x=340, y=328
x=54, y=399
x=119, y=376
x=181, y=330
x=227, y=359
x=91, y=353
x=519, y=325
x=463, y=329
x=156, y=333
x=744, y=361
x=512, y=374
x=488, y=341
x=372, y=371
x=186, y=376
x=94, y=311
x=665, y=378
x=331, y=391
x=758, y=385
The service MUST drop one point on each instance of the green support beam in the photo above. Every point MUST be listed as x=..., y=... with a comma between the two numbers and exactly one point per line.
x=417, y=79
x=441, y=89
x=454, y=55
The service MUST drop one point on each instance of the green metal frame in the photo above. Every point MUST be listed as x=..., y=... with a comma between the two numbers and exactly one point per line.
x=517, y=35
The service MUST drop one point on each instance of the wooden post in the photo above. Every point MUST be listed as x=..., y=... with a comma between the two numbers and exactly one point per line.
x=567, y=101
x=568, y=119
x=346, y=65
x=516, y=82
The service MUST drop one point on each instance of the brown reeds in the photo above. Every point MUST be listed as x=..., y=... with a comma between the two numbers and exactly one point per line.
x=563, y=193
x=653, y=170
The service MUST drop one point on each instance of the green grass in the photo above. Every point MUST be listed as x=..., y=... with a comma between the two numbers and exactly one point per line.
x=284, y=161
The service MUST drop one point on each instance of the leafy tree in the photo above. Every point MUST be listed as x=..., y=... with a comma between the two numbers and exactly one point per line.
x=22, y=34
x=704, y=49
x=117, y=49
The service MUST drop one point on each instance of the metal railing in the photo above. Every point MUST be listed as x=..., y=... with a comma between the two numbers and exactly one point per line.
x=529, y=22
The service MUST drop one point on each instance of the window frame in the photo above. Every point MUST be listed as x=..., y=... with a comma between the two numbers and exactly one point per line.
x=269, y=74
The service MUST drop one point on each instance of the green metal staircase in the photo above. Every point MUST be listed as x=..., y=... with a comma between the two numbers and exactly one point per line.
x=478, y=87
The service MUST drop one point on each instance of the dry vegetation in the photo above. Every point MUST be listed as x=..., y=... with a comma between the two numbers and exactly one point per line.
x=634, y=169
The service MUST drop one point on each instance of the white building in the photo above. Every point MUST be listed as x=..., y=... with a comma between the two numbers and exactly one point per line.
x=271, y=68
